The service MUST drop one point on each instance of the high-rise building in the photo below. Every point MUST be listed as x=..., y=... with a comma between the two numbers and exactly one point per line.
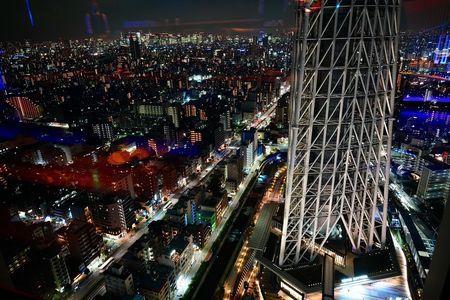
x=191, y=211
x=151, y=110
x=219, y=137
x=202, y=114
x=178, y=254
x=250, y=136
x=56, y=257
x=13, y=257
x=135, y=45
x=174, y=112
x=113, y=214
x=225, y=120
x=83, y=242
x=195, y=136
x=216, y=204
x=147, y=248
x=234, y=173
x=177, y=214
x=341, y=116
x=163, y=230
x=442, y=49
x=233, y=169
x=120, y=183
x=248, y=153
x=2, y=77
x=190, y=110
x=281, y=112
x=434, y=183
x=200, y=233
x=170, y=134
x=145, y=182
x=103, y=131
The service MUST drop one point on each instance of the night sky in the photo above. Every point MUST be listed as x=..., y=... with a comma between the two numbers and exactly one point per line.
x=65, y=18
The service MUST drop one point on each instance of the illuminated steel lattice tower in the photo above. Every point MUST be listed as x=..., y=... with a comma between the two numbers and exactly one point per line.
x=343, y=85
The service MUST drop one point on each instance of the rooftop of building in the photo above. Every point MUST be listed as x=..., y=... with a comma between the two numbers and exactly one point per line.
x=71, y=199
x=155, y=278
x=212, y=201
x=77, y=226
x=178, y=244
x=144, y=239
x=435, y=165
x=53, y=250
x=160, y=225
x=374, y=263
x=207, y=213
x=111, y=198
x=179, y=205
x=194, y=227
x=118, y=270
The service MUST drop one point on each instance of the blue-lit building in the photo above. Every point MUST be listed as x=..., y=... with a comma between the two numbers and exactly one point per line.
x=2, y=76
x=2, y=81
x=442, y=50
x=185, y=212
x=248, y=135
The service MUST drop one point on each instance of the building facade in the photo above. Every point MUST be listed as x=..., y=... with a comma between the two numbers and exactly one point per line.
x=25, y=108
x=56, y=258
x=103, y=131
x=83, y=242
x=119, y=281
x=113, y=214
x=434, y=183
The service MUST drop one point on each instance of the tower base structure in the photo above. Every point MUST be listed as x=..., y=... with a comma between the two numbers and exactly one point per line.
x=378, y=270
x=308, y=280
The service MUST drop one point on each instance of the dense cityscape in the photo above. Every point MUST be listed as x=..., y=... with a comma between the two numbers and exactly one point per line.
x=166, y=165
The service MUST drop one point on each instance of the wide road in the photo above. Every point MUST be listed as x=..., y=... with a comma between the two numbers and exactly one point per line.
x=201, y=255
x=273, y=193
x=220, y=260
x=407, y=202
x=92, y=283
x=259, y=122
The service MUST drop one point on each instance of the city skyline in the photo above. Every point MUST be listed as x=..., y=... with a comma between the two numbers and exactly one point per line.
x=221, y=150
x=49, y=19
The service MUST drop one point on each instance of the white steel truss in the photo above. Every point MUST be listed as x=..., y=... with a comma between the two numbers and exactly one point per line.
x=341, y=117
